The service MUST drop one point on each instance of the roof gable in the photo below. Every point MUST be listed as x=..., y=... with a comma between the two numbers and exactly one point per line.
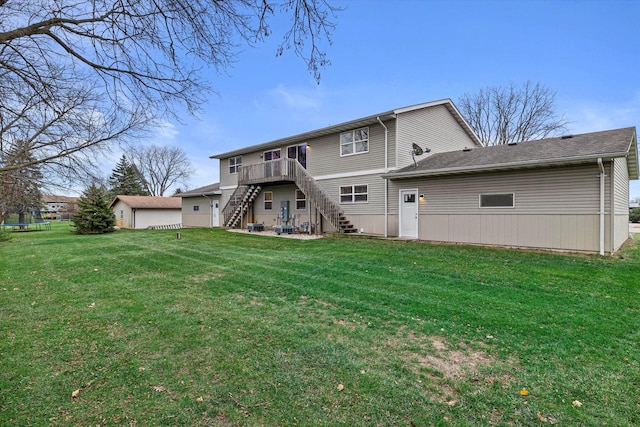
x=551, y=151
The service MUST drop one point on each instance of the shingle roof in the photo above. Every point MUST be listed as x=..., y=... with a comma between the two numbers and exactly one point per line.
x=551, y=151
x=149, y=202
x=206, y=190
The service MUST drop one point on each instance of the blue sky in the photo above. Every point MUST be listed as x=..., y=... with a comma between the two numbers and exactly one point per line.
x=390, y=54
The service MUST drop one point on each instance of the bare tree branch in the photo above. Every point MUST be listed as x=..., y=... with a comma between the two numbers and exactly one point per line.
x=161, y=167
x=500, y=115
x=79, y=76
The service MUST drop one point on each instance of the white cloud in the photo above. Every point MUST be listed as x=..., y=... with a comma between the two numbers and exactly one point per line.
x=299, y=99
x=167, y=130
x=588, y=116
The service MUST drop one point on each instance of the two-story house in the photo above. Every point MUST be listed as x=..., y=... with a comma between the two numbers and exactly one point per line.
x=420, y=172
x=331, y=178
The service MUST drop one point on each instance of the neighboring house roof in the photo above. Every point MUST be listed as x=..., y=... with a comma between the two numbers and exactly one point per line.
x=634, y=205
x=51, y=198
x=365, y=121
x=573, y=149
x=207, y=190
x=148, y=202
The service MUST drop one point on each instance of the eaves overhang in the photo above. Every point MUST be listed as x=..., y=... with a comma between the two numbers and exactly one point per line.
x=201, y=194
x=632, y=158
x=530, y=164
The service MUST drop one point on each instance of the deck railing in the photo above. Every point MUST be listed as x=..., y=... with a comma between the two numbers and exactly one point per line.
x=292, y=171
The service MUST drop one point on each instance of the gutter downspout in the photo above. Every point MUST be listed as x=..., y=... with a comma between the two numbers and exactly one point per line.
x=386, y=181
x=601, y=166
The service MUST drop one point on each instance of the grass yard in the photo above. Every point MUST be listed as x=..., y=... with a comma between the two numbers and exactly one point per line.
x=218, y=328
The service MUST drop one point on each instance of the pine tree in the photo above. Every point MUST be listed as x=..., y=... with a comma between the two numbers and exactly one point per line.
x=126, y=180
x=94, y=215
x=19, y=188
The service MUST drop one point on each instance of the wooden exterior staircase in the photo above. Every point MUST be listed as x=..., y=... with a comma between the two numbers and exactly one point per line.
x=251, y=177
x=238, y=204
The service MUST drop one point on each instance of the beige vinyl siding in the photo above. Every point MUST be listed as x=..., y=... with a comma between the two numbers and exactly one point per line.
x=620, y=202
x=199, y=218
x=555, y=208
x=375, y=196
x=324, y=157
x=552, y=231
x=125, y=221
x=621, y=185
x=280, y=193
x=433, y=128
x=567, y=190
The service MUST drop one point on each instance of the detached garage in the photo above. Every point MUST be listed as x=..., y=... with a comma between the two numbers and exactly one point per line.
x=567, y=193
x=140, y=212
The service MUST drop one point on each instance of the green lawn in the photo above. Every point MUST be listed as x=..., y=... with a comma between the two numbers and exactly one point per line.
x=219, y=328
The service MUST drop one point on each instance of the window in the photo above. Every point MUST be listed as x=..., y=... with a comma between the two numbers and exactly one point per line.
x=301, y=200
x=354, y=142
x=234, y=164
x=503, y=200
x=268, y=200
x=196, y=208
x=121, y=214
x=354, y=194
x=298, y=152
x=271, y=155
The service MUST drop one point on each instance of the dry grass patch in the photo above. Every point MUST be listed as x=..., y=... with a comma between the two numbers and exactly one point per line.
x=444, y=368
x=200, y=278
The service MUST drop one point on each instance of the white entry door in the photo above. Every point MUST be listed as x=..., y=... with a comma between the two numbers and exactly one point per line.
x=409, y=213
x=215, y=214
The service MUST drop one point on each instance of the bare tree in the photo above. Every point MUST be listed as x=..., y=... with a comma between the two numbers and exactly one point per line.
x=77, y=76
x=500, y=115
x=161, y=167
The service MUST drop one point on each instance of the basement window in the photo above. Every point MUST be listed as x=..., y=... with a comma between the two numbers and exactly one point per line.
x=498, y=200
x=268, y=200
x=301, y=200
x=354, y=194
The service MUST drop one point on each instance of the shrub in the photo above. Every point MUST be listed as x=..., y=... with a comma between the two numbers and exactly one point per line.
x=634, y=215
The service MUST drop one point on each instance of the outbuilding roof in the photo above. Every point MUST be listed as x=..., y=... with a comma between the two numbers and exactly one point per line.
x=565, y=150
x=148, y=202
x=207, y=190
x=353, y=124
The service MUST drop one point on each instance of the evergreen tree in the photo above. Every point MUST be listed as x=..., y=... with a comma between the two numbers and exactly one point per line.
x=94, y=215
x=126, y=180
x=19, y=187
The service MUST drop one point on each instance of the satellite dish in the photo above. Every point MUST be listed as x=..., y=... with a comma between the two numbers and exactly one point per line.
x=417, y=151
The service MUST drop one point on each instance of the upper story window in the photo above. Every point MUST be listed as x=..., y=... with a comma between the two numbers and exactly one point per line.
x=271, y=155
x=298, y=152
x=234, y=164
x=354, y=194
x=354, y=142
x=196, y=208
x=503, y=200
